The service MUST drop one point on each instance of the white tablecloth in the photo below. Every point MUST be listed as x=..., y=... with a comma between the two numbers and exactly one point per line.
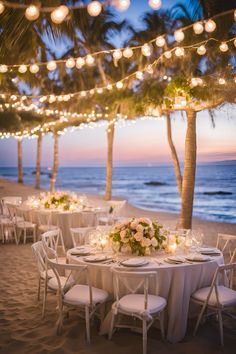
x=175, y=283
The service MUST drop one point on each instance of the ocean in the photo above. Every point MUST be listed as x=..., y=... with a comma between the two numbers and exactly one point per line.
x=215, y=192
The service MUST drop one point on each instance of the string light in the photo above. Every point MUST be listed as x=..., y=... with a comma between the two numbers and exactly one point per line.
x=70, y=63
x=89, y=60
x=3, y=68
x=179, y=52
x=198, y=27
x=117, y=54
x=22, y=69
x=224, y=47
x=155, y=4
x=80, y=62
x=127, y=53
x=121, y=5
x=32, y=13
x=222, y=81
x=201, y=50
x=94, y=8
x=147, y=50
x=2, y=7
x=34, y=68
x=51, y=65
x=119, y=85
x=210, y=26
x=179, y=35
x=59, y=14
x=168, y=54
x=160, y=41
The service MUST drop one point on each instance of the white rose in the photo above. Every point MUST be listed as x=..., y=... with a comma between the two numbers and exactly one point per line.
x=123, y=234
x=133, y=225
x=145, y=220
x=140, y=228
x=138, y=236
x=154, y=242
x=146, y=242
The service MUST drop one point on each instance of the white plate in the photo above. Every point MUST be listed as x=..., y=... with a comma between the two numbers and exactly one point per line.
x=198, y=258
x=80, y=252
x=134, y=262
x=94, y=259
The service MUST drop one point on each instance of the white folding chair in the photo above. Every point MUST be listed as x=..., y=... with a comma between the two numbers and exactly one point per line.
x=51, y=242
x=80, y=235
x=217, y=297
x=45, y=221
x=226, y=243
x=7, y=230
x=24, y=227
x=85, y=297
x=141, y=305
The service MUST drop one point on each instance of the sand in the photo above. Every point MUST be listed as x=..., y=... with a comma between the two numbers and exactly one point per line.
x=23, y=331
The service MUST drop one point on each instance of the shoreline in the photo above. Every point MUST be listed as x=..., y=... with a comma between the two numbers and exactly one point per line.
x=168, y=219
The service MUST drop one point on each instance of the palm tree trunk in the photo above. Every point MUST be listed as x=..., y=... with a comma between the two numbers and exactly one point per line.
x=55, y=163
x=189, y=172
x=38, y=162
x=19, y=156
x=174, y=155
x=109, y=166
x=101, y=71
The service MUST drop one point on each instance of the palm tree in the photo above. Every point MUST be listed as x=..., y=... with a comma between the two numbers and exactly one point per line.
x=55, y=162
x=19, y=160
x=109, y=166
x=38, y=161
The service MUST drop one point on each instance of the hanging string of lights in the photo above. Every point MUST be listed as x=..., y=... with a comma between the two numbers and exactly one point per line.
x=126, y=52
x=138, y=75
x=60, y=13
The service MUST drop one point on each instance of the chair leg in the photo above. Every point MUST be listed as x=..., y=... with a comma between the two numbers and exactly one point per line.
x=199, y=319
x=111, y=325
x=161, y=319
x=144, y=336
x=39, y=288
x=24, y=235
x=87, y=319
x=60, y=320
x=102, y=312
x=44, y=298
x=221, y=327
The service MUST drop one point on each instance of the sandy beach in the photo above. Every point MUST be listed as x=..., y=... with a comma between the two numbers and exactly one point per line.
x=23, y=331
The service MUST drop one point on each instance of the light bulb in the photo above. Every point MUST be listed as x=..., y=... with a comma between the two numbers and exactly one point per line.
x=89, y=60
x=83, y=93
x=52, y=98
x=179, y=35
x=139, y=75
x=168, y=54
x=179, y=52
x=199, y=81
x=70, y=63
x=149, y=69
x=59, y=14
x=121, y=5
x=22, y=69
x=34, y=68
x=127, y=53
x=80, y=62
x=109, y=87
x=117, y=54
x=198, y=27
x=51, y=65
x=234, y=14
x=201, y=50
x=224, y=47
x=32, y=13
x=146, y=50
x=160, y=41
x=222, y=81
x=99, y=90
x=94, y=8
x=154, y=4
x=2, y=7
x=210, y=26
x=235, y=42
x=3, y=68
x=119, y=84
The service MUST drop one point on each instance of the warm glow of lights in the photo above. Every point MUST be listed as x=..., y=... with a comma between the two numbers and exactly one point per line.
x=3, y=68
x=80, y=62
x=2, y=7
x=121, y=5
x=160, y=41
x=109, y=87
x=51, y=65
x=22, y=69
x=59, y=14
x=154, y=4
x=94, y=8
x=32, y=13
x=127, y=53
x=70, y=63
x=168, y=54
x=119, y=84
x=139, y=75
x=224, y=47
x=34, y=68
x=198, y=27
x=179, y=35
x=235, y=42
x=210, y=26
x=179, y=52
x=201, y=50
x=117, y=54
x=147, y=50
x=99, y=90
x=149, y=69
x=222, y=81
x=89, y=60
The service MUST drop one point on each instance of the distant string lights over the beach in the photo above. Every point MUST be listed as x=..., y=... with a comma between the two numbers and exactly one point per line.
x=61, y=13
x=117, y=54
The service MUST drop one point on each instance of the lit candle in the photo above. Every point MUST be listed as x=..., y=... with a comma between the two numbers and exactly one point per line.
x=172, y=248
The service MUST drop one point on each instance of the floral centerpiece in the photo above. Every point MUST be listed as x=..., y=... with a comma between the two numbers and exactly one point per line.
x=138, y=235
x=59, y=200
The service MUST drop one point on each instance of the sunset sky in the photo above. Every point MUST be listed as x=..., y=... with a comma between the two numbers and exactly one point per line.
x=143, y=143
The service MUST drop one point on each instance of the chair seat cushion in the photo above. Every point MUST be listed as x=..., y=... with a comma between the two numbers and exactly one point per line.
x=53, y=284
x=6, y=222
x=134, y=303
x=79, y=295
x=50, y=274
x=25, y=224
x=227, y=296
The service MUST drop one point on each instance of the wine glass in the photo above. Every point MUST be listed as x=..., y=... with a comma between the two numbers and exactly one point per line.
x=197, y=239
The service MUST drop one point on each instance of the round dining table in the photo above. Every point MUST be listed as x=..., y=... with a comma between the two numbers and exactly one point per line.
x=175, y=282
